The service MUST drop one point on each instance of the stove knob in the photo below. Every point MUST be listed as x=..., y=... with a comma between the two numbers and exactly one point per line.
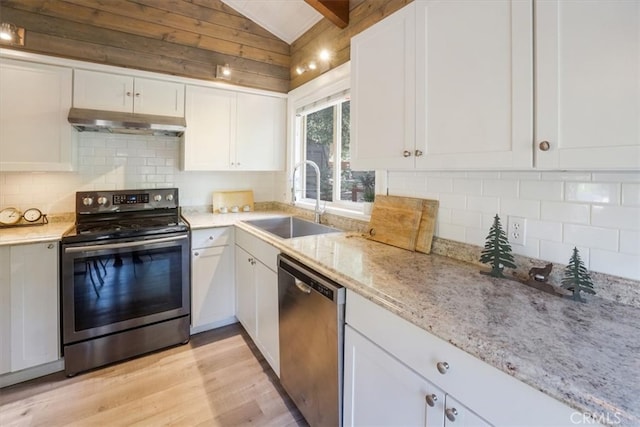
x=87, y=201
x=102, y=200
x=169, y=197
x=157, y=198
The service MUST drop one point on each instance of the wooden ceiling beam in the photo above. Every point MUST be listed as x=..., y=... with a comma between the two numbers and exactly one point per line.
x=336, y=11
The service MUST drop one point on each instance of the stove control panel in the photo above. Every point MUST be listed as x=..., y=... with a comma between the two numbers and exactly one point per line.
x=95, y=202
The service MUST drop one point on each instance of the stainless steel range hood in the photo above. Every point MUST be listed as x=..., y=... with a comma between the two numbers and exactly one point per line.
x=86, y=120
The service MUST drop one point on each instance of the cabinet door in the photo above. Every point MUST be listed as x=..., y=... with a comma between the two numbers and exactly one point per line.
x=212, y=287
x=246, y=291
x=457, y=415
x=380, y=390
x=210, y=115
x=5, y=309
x=383, y=93
x=34, y=305
x=34, y=104
x=588, y=84
x=102, y=91
x=267, y=326
x=260, y=135
x=474, y=84
x=158, y=97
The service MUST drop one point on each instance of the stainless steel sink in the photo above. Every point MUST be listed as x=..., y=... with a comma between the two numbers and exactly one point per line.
x=289, y=227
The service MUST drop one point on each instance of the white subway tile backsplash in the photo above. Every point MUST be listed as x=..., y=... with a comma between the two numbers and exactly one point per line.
x=615, y=263
x=439, y=185
x=575, y=213
x=451, y=231
x=467, y=186
x=561, y=252
x=519, y=207
x=520, y=175
x=532, y=248
x=500, y=188
x=593, y=237
x=444, y=214
x=453, y=201
x=539, y=190
x=483, y=175
x=544, y=230
x=466, y=218
x=566, y=176
x=483, y=204
x=630, y=194
x=630, y=242
x=592, y=192
x=616, y=217
x=631, y=176
x=476, y=236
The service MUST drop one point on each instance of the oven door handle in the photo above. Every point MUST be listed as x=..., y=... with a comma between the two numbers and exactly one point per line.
x=75, y=249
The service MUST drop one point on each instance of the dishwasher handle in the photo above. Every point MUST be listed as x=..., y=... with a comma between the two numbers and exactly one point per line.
x=302, y=286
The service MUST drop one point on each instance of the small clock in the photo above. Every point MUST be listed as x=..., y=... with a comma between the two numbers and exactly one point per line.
x=32, y=215
x=10, y=216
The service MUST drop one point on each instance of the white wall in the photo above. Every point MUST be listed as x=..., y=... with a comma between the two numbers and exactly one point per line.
x=123, y=161
x=598, y=212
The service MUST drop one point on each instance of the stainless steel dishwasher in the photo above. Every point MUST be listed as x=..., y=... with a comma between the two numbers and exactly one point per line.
x=311, y=316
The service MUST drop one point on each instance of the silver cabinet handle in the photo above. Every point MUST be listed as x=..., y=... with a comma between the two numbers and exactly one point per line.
x=128, y=93
x=196, y=254
x=451, y=413
x=50, y=246
x=443, y=367
x=431, y=399
x=137, y=94
x=210, y=237
x=544, y=146
x=406, y=153
x=418, y=153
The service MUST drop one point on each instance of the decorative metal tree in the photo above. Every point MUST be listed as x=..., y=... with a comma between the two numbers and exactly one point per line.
x=576, y=277
x=497, y=251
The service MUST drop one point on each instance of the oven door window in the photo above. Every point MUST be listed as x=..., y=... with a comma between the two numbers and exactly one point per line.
x=127, y=287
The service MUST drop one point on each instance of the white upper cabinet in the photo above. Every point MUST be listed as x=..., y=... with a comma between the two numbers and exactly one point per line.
x=383, y=93
x=474, y=102
x=211, y=115
x=115, y=92
x=260, y=133
x=34, y=103
x=227, y=130
x=588, y=84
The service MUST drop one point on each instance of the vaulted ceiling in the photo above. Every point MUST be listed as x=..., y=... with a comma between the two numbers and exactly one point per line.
x=191, y=37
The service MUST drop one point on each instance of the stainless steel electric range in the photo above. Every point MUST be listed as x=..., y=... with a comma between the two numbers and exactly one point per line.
x=125, y=277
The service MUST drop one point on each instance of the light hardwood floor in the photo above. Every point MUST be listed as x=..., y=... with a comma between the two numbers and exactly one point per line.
x=218, y=379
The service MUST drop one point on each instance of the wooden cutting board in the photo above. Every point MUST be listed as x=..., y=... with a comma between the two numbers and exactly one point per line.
x=229, y=199
x=395, y=221
x=427, y=225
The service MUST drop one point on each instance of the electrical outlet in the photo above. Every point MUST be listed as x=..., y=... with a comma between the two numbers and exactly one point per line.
x=517, y=230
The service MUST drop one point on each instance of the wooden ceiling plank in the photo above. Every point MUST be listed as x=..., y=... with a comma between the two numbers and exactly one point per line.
x=149, y=12
x=336, y=11
x=100, y=36
x=76, y=13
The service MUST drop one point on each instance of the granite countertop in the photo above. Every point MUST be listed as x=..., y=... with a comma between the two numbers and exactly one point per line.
x=584, y=355
x=33, y=234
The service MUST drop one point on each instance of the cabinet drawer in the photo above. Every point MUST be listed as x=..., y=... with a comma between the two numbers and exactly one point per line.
x=467, y=376
x=264, y=252
x=205, y=238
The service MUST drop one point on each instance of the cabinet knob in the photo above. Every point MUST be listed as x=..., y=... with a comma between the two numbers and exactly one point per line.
x=418, y=153
x=544, y=146
x=451, y=413
x=137, y=94
x=443, y=367
x=431, y=399
x=210, y=237
x=50, y=246
x=196, y=253
x=406, y=153
x=128, y=93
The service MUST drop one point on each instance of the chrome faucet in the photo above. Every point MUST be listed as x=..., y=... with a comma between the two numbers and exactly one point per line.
x=317, y=211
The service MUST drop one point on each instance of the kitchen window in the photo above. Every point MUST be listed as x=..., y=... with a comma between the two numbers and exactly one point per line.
x=323, y=136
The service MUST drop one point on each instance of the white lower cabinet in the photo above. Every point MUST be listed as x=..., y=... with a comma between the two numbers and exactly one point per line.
x=382, y=390
x=398, y=374
x=29, y=313
x=212, y=279
x=257, y=294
